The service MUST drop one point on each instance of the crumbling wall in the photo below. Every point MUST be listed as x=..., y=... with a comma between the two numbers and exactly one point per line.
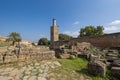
x=36, y=53
x=109, y=40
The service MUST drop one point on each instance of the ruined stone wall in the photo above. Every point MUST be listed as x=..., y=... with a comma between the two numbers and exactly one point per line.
x=26, y=55
x=109, y=40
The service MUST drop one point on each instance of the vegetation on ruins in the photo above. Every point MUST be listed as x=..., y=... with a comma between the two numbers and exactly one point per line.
x=78, y=71
x=91, y=31
x=65, y=37
x=43, y=41
x=14, y=37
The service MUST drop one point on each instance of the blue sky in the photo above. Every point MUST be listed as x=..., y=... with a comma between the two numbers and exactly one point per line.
x=33, y=18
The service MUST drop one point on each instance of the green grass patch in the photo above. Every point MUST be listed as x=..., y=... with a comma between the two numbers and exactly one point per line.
x=73, y=64
x=77, y=65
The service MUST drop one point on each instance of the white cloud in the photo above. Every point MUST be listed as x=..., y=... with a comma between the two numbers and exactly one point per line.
x=74, y=30
x=42, y=36
x=113, y=27
x=76, y=22
x=72, y=33
x=116, y=22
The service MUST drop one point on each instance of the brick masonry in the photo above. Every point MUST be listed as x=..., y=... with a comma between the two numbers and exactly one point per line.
x=108, y=40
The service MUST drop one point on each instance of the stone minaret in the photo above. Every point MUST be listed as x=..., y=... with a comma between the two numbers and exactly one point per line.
x=53, y=33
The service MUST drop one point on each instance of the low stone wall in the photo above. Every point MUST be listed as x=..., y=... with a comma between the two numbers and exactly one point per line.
x=28, y=55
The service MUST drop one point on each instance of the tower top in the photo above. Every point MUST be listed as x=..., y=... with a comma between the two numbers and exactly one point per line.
x=54, y=22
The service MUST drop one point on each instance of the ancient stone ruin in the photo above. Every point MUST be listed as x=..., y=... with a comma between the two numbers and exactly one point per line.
x=98, y=51
x=13, y=54
x=97, y=68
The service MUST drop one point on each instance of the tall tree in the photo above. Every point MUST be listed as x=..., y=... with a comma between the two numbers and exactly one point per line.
x=14, y=37
x=63, y=37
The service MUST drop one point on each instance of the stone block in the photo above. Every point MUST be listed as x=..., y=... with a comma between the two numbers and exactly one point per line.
x=115, y=71
x=97, y=68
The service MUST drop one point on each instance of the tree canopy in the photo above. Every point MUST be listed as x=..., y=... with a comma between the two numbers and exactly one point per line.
x=64, y=37
x=91, y=31
x=43, y=41
x=14, y=37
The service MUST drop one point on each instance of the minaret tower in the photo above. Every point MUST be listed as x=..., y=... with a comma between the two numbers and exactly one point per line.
x=53, y=33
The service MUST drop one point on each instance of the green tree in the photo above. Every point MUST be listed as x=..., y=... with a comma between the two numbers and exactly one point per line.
x=43, y=41
x=82, y=32
x=99, y=30
x=63, y=37
x=91, y=31
x=14, y=37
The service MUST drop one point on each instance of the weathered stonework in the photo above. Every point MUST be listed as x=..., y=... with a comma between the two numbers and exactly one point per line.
x=105, y=41
x=97, y=68
x=109, y=40
x=53, y=33
x=26, y=54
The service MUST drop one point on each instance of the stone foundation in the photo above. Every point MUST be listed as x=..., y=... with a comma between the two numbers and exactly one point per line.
x=26, y=56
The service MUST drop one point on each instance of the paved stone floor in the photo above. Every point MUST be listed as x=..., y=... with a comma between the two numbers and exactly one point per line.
x=32, y=71
x=44, y=70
